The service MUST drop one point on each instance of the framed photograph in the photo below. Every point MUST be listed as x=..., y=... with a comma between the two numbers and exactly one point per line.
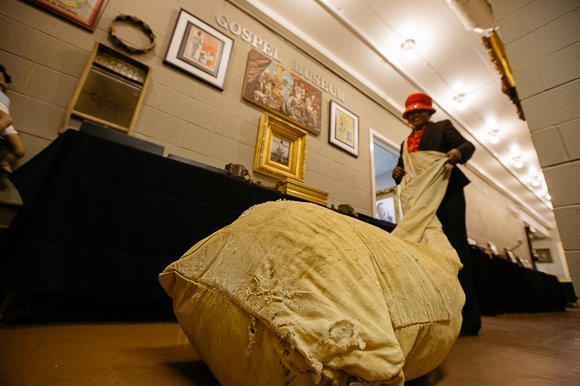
x=387, y=205
x=199, y=50
x=85, y=13
x=280, y=149
x=543, y=256
x=343, y=129
x=276, y=89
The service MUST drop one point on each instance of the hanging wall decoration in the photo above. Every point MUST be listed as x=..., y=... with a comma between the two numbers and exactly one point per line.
x=132, y=20
x=280, y=149
x=343, y=128
x=271, y=86
x=199, y=50
x=85, y=13
x=110, y=91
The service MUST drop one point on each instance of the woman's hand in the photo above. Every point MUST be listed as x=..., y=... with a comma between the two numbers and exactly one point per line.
x=453, y=157
x=399, y=173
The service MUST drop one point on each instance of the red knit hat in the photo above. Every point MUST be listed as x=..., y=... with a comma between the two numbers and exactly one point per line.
x=418, y=101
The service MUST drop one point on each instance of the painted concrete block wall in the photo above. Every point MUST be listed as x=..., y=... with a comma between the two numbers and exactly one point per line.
x=487, y=206
x=542, y=40
x=46, y=56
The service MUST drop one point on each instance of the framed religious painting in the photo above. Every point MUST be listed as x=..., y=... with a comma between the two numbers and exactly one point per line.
x=85, y=13
x=343, y=129
x=200, y=50
x=280, y=148
x=278, y=90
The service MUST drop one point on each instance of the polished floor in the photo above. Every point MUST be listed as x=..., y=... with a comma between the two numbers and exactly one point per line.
x=512, y=350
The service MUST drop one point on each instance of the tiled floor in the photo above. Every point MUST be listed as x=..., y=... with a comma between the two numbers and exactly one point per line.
x=512, y=350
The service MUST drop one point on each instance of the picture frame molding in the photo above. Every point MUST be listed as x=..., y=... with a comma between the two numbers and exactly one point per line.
x=333, y=137
x=273, y=126
x=544, y=255
x=215, y=78
x=393, y=193
x=91, y=25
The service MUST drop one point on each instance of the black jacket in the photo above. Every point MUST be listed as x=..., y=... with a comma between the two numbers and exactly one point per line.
x=442, y=136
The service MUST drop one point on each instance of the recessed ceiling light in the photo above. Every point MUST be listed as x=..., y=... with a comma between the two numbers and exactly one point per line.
x=409, y=44
x=494, y=137
x=460, y=99
x=518, y=162
x=548, y=197
x=536, y=183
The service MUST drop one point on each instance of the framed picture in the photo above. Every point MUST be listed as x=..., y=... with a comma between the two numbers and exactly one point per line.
x=387, y=205
x=343, y=128
x=85, y=13
x=199, y=50
x=280, y=149
x=543, y=256
x=271, y=86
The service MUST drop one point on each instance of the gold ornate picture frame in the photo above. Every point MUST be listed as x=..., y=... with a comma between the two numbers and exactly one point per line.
x=280, y=148
x=387, y=205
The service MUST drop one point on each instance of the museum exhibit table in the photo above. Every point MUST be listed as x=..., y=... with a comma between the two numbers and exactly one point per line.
x=505, y=287
x=103, y=219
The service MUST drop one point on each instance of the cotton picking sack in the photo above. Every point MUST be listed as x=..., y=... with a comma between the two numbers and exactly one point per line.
x=293, y=293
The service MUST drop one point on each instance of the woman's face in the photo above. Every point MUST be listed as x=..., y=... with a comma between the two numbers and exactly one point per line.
x=418, y=118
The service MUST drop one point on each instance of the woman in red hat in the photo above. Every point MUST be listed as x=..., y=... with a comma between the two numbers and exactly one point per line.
x=443, y=137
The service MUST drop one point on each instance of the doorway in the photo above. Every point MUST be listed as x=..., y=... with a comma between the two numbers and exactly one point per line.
x=384, y=157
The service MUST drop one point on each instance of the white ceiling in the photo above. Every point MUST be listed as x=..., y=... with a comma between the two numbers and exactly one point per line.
x=364, y=37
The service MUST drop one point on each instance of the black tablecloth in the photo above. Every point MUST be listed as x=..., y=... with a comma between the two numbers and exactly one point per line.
x=104, y=219
x=504, y=287
x=101, y=218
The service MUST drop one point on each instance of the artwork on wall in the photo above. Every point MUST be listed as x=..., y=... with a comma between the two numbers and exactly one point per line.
x=271, y=86
x=85, y=13
x=110, y=91
x=280, y=148
x=199, y=50
x=387, y=205
x=543, y=256
x=343, y=128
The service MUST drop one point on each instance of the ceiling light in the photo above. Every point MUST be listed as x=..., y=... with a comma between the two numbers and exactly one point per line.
x=408, y=45
x=518, y=162
x=460, y=99
x=548, y=197
x=536, y=182
x=493, y=136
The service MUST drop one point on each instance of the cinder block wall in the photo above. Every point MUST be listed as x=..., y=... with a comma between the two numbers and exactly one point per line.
x=46, y=56
x=542, y=39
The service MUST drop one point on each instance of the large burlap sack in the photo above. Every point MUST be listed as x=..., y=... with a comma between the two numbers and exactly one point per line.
x=295, y=294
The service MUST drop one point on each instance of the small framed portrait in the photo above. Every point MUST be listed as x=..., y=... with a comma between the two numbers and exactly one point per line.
x=343, y=129
x=387, y=205
x=199, y=50
x=280, y=148
x=543, y=256
x=85, y=13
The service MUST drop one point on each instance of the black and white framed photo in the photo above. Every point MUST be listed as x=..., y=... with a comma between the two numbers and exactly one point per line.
x=199, y=50
x=343, y=128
